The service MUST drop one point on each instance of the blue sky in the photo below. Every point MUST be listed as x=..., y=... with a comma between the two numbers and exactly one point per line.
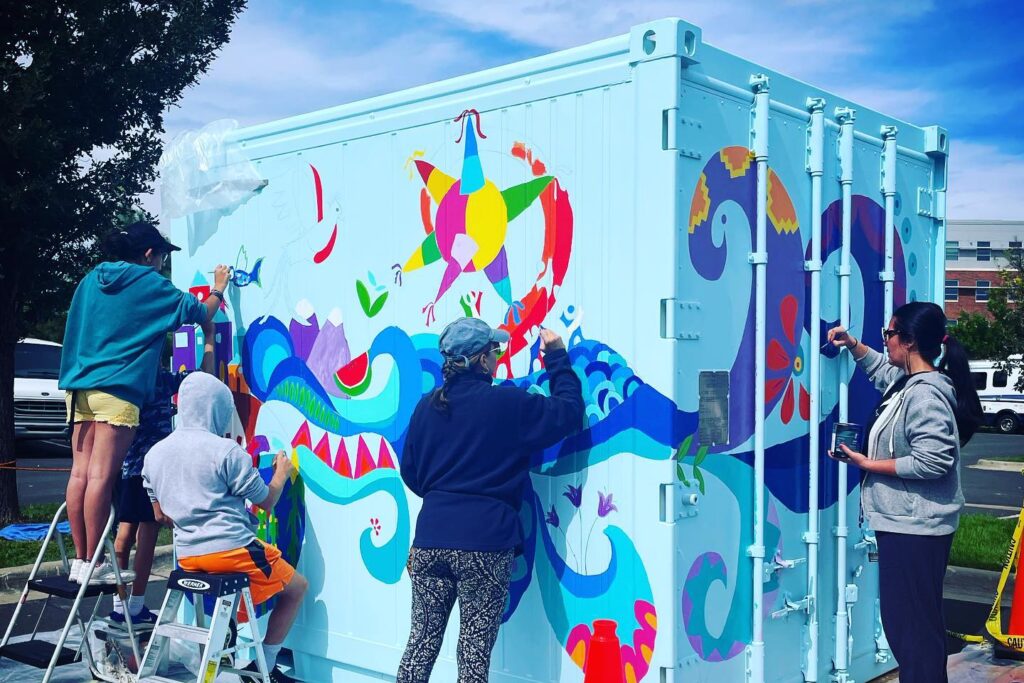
x=957, y=63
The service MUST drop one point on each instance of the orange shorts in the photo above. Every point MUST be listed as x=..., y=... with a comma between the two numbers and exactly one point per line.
x=268, y=572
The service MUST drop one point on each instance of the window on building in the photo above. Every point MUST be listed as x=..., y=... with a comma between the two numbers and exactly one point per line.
x=984, y=251
x=952, y=290
x=952, y=251
x=980, y=380
x=981, y=288
x=1000, y=379
x=1015, y=245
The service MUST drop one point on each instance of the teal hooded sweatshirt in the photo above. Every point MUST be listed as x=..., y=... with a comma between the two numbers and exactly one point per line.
x=116, y=328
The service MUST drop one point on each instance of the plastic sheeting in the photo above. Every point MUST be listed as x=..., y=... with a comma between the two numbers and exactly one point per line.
x=31, y=532
x=111, y=652
x=202, y=171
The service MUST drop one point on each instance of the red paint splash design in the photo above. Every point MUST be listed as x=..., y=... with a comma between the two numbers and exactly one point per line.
x=319, y=194
x=540, y=300
x=321, y=256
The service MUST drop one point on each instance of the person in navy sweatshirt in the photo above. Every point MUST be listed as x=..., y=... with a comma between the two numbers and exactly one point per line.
x=467, y=455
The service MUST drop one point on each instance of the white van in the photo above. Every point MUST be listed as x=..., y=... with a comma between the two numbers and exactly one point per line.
x=39, y=408
x=1002, y=403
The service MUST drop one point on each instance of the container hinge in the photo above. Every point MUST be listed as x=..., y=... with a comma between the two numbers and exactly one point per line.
x=755, y=551
x=925, y=202
x=808, y=537
x=778, y=564
x=940, y=205
x=680, y=319
x=812, y=266
x=886, y=276
x=757, y=257
x=844, y=271
x=675, y=503
x=670, y=128
x=790, y=606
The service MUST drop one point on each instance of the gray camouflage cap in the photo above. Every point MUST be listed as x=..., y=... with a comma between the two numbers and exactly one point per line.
x=466, y=337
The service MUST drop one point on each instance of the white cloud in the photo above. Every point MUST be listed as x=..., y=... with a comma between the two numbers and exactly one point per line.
x=984, y=182
x=285, y=62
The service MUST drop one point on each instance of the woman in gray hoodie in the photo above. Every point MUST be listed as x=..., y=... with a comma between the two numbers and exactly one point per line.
x=910, y=495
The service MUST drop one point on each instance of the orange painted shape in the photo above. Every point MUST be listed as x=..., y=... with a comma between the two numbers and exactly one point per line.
x=302, y=437
x=579, y=654
x=323, y=450
x=736, y=160
x=700, y=205
x=341, y=463
x=780, y=206
x=364, y=461
x=384, y=456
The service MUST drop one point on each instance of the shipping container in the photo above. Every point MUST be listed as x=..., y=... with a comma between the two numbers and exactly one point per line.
x=692, y=223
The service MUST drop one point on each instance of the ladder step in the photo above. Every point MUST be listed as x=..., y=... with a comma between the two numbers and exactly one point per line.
x=37, y=653
x=159, y=679
x=63, y=588
x=183, y=632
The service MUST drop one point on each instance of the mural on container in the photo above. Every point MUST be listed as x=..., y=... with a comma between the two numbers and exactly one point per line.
x=299, y=386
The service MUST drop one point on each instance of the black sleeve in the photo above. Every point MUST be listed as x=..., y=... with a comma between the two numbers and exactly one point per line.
x=546, y=420
x=409, y=465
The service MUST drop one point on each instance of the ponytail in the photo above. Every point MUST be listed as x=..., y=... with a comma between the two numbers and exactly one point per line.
x=452, y=368
x=955, y=365
x=924, y=323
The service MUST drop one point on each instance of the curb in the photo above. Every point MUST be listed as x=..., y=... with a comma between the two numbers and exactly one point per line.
x=998, y=465
x=14, y=578
x=975, y=585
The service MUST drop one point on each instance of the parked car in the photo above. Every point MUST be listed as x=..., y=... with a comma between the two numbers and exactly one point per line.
x=39, y=407
x=1002, y=404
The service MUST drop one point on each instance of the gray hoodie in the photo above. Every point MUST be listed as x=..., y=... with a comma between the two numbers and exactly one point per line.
x=917, y=428
x=200, y=478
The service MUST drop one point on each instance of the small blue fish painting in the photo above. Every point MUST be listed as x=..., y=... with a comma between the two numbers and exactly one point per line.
x=240, y=275
x=242, y=278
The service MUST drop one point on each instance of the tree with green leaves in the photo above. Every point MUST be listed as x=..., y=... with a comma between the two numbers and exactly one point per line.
x=979, y=335
x=85, y=84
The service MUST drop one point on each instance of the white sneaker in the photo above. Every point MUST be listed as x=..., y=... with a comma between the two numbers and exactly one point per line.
x=104, y=574
x=76, y=568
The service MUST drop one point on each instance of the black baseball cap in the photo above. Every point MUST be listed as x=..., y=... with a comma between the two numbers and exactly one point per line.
x=143, y=235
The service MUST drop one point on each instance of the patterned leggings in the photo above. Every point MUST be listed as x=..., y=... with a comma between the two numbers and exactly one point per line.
x=480, y=581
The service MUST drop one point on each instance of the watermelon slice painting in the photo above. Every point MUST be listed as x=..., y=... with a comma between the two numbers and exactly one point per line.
x=354, y=378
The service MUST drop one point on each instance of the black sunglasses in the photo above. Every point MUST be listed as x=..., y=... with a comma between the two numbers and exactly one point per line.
x=888, y=334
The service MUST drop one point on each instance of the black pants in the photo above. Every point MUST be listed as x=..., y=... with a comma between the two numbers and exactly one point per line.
x=480, y=581
x=910, y=573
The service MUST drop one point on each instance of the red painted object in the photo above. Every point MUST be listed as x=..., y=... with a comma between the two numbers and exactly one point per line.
x=1016, y=627
x=604, y=658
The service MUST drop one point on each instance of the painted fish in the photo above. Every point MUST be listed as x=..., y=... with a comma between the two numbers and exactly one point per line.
x=243, y=278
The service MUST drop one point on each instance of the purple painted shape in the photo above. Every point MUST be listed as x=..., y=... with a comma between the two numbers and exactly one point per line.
x=687, y=606
x=304, y=335
x=737, y=647
x=329, y=353
x=450, y=274
x=223, y=346
x=184, y=356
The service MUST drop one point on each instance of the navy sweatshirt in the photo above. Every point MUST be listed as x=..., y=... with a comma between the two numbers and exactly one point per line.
x=471, y=466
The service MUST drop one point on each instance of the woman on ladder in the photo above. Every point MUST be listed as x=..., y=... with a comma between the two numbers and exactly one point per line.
x=116, y=326
x=911, y=494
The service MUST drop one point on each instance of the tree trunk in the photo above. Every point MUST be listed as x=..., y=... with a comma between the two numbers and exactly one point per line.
x=9, y=508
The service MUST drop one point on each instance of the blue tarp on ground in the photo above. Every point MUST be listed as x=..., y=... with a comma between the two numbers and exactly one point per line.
x=30, y=532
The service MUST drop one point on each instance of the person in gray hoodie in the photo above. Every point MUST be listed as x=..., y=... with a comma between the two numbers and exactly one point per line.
x=198, y=481
x=910, y=495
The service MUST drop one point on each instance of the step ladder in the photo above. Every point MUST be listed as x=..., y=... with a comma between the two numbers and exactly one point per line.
x=217, y=638
x=45, y=655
